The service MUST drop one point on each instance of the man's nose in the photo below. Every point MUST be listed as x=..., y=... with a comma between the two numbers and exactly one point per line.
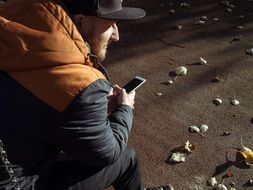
x=115, y=33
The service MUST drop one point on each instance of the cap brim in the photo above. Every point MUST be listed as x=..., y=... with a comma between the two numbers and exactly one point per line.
x=126, y=13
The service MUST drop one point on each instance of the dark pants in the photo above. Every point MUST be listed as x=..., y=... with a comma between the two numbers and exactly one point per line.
x=124, y=174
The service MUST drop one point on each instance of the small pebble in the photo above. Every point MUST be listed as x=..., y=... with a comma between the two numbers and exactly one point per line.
x=229, y=10
x=159, y=94
x=241, y=16
x=215, y=19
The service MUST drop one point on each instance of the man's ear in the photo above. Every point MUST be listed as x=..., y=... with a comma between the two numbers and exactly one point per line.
x=78, y=19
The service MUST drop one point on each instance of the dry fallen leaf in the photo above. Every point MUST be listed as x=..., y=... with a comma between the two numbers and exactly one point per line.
x=221, y=187
x=179, y=27
x=235, y=39
x=203, y=128
x=212, y=181
x=181, y=70
x=172, y=11
x=190, y=147
x=234, y=102
x=247, y=154
x=225, y=3
x=249, y=51
x=203, y=18
x=159, y=94
x=178, y=157
x=239, y=27
x=217, y=101
x=202, y=61
x=168, y=82
x=187, y=5
x=226, y=133
x=217, y=78
x=194, y=129
x=250, y=182
x=200, y=22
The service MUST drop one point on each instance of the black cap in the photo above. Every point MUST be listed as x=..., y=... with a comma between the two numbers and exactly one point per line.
x=109, y=9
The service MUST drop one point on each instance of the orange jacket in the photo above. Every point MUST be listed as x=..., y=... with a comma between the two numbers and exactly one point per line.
x=41, y=48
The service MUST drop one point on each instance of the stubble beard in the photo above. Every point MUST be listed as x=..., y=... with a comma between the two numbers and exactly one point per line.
x=99, y=48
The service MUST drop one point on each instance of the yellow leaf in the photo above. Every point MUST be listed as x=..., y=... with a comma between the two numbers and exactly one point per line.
x=248, y=155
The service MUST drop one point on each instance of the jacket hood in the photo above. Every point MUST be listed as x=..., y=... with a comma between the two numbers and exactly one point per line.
x=42, y=49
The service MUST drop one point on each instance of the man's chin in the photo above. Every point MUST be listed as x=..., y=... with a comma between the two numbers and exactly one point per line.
x=101, y=55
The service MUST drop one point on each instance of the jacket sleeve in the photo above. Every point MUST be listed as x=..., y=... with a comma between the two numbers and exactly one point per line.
x=87, y=134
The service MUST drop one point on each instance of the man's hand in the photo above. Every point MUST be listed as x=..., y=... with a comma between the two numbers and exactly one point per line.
x=118, y=96
x=127, y=98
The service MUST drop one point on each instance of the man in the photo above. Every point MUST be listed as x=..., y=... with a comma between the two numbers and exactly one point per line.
x=56, y=97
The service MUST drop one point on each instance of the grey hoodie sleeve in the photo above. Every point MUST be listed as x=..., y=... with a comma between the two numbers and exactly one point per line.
x=87, y=134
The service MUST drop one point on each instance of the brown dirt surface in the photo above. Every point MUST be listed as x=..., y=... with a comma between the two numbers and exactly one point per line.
x=153, y=48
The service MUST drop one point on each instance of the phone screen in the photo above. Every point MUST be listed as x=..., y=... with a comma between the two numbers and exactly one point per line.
x=133, y=84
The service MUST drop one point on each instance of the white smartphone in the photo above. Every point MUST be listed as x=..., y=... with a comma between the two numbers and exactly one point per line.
x=133, y=84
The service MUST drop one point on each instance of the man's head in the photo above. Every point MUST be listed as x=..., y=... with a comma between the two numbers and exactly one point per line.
x=96, y=20
x=98, y=32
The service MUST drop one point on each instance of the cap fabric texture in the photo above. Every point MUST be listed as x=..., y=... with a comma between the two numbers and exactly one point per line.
x=109, y=9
